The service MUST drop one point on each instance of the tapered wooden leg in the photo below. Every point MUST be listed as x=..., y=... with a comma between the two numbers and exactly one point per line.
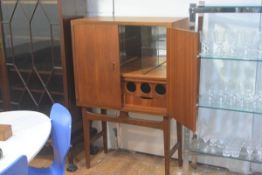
x=104, y=128
x=86, y=130
x=179, y=140
x=166, y=132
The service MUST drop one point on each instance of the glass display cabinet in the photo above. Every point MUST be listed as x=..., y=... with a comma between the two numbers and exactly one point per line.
x=230, y=86
x=36, y=58
x=136, y=65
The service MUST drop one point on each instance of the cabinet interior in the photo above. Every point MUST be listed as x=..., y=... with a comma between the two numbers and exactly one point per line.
x=143, y=66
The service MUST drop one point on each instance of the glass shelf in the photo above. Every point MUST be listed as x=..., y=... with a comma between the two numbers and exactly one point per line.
x=228, y=58
x=246, y=108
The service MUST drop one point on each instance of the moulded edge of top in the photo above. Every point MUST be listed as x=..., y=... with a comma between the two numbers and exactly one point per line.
x=136, y=21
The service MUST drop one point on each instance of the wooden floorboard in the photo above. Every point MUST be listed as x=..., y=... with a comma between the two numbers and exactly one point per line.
x=129, y=163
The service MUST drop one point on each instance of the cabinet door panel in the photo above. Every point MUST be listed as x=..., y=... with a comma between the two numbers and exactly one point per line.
x=96, y=65
x=183, y=73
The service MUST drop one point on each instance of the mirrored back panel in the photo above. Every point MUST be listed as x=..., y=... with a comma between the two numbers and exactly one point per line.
x=142, y=47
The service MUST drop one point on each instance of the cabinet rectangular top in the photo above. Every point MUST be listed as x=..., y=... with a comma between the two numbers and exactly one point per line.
x=134, y=21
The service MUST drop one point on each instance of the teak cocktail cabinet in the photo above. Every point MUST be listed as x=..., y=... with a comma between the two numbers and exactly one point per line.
x=146, y=65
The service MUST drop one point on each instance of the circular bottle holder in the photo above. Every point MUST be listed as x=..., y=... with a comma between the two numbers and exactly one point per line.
x=131, y=86
x=145, y=88
x=160, y=89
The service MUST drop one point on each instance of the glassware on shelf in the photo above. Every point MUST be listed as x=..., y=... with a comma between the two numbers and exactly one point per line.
x=247, y=101
x=229, y=43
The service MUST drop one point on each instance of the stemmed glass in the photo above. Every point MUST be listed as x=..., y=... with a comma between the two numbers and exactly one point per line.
x=206, y=38
x=204, y=136
x=259, y=102
x=259, y=152
x=226, y=151
x=233, y=38
x=249, y=100
x=236, y=146
x=213, y=143
x=219, y=39
x=246, y=42
x=259, y=46
x=204, y=43
x=250, y=147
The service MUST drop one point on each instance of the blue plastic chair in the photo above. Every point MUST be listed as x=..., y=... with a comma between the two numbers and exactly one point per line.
x=18, y=167
x=61, y=136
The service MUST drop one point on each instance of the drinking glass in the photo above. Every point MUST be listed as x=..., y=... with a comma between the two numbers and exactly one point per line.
x=213, y=143
x=236, y=146
x=246, y=40
x=235, y=46
x=226, y=151
x=259, y=46
x=211, y=96
x=249, y=145
x=219, y=39
x=240, y=99
x=259, y=102
x=259, y=152
x=249, y=100
x=231, y=98
x=205, y=146
x=204, y=43
x=203, y=135
x=220, y=98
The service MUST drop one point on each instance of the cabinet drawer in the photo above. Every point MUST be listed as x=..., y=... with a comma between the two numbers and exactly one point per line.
x=142, y=96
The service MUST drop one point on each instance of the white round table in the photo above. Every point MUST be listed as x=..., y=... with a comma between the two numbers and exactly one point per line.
x=30, y=132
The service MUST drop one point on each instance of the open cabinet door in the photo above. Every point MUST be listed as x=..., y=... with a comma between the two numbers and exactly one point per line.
x=183, y=76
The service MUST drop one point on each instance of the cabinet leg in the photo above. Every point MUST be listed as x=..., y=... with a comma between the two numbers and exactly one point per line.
x=166, y=132
x=179, y=140
x=86, y=130
x=104, y=130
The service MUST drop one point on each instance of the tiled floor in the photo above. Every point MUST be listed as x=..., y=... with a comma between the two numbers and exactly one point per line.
x=130, y=163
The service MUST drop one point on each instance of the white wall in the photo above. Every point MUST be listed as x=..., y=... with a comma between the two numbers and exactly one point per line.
x=139, y=7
